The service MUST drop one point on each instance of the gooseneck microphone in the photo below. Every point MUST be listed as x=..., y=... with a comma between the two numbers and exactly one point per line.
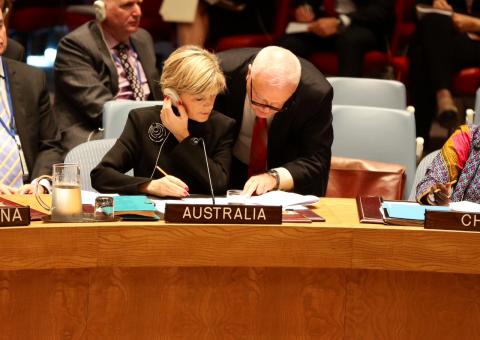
x=196, y=141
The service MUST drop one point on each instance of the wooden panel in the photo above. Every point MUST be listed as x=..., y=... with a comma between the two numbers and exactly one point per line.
x=225, y=246
x=406, y=305
x=417, y=250
x=45, y=248
x=49, y=304
x=217, y=303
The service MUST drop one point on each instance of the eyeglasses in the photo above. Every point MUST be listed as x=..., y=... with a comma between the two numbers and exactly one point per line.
x=263, y=106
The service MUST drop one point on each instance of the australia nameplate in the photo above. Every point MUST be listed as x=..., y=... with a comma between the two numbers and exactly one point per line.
x=11, y=216
x=223, y=214
x=452, y=220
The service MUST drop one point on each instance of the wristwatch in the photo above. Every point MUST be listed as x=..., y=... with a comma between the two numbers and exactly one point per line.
x=274, y=174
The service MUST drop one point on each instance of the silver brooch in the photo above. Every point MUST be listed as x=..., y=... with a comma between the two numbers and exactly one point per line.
x=157, y=132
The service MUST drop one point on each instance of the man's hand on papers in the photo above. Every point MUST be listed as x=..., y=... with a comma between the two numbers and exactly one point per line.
x=166, y=186
x=259, y=184
x=6, y=190
x=30, y=189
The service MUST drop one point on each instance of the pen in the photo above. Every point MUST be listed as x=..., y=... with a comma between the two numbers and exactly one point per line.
x=161, y=170
x=450, y=183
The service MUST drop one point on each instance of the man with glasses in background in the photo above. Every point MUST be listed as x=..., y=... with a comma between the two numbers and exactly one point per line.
x=283, y=108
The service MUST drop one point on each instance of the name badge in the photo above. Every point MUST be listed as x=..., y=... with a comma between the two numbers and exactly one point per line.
x=450, y=220
x=14, y=216
x=223, y=214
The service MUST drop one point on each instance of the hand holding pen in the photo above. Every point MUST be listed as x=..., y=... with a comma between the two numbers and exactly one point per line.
x=441, y=193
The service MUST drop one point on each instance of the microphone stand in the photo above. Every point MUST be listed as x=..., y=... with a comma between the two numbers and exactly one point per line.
x=196, y=141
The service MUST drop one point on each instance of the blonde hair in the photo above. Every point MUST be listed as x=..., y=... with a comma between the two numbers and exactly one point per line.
x=193, y=70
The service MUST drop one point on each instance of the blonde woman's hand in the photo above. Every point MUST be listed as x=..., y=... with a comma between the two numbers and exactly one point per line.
x=177, y=125
x=166, y=186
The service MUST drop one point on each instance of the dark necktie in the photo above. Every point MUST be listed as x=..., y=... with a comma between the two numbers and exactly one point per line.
x=10, y=167
x=122, y=50
x=258, y=149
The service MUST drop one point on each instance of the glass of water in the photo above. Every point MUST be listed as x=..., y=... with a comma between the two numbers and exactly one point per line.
x=104, y=208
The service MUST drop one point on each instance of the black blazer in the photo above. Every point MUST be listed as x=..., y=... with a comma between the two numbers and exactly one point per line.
x=185, y=160
x=34, y=119
x=14, y=50
x=86, y=78
x=299, y=138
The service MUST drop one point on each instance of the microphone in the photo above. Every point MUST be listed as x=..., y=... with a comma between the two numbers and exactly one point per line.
x=196, y=141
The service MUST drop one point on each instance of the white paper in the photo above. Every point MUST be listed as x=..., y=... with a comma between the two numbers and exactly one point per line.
x=272, y=198
x=423, y=9
x=297, y=27
x=178, y=10
x=465, y=206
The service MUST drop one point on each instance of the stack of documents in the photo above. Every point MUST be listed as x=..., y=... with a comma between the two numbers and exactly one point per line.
x=288, y=200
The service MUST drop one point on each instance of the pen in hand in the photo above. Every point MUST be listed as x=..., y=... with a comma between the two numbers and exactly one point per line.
x=448, y=183
x=161, y=170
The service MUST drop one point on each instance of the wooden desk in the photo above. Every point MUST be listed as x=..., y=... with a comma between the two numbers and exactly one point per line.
x=333, y=280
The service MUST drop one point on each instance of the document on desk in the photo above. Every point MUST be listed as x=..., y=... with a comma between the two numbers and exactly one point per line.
x=465, y=206
x=409, y=210
x=297, y=27
x=273, y=198
x=178, y=10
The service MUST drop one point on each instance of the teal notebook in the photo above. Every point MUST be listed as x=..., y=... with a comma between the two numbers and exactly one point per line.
x=135, y=207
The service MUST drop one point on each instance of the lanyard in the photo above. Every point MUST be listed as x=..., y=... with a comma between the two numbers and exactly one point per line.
x=10, y=129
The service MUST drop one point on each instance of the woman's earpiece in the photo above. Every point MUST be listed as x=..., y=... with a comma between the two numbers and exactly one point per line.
x=100, y=11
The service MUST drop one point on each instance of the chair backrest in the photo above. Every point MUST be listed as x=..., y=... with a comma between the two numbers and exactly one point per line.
x=376, y=134
x=368, y=92
x=476, y=119
x=115, y=114
x=421, y=169
x=88, y=155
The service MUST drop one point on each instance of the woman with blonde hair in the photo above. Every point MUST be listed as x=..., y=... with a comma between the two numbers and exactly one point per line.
x=165, y=144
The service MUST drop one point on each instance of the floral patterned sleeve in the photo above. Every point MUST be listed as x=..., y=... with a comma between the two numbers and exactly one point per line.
x=449, y=163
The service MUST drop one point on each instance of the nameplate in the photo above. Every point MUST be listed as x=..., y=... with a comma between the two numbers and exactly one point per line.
x=223, y=214
x=14, y=216
x=450, y=220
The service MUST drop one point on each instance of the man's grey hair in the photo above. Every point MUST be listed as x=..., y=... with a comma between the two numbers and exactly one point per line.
x=278, y=65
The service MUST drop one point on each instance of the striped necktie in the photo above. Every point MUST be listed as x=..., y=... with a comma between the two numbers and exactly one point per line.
x=10, y=167
x=137, y=89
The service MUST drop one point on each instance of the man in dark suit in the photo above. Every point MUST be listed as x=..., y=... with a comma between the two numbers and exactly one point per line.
x=25, y=112
x=283, y=108
x=349, y=27
x=107, y=59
